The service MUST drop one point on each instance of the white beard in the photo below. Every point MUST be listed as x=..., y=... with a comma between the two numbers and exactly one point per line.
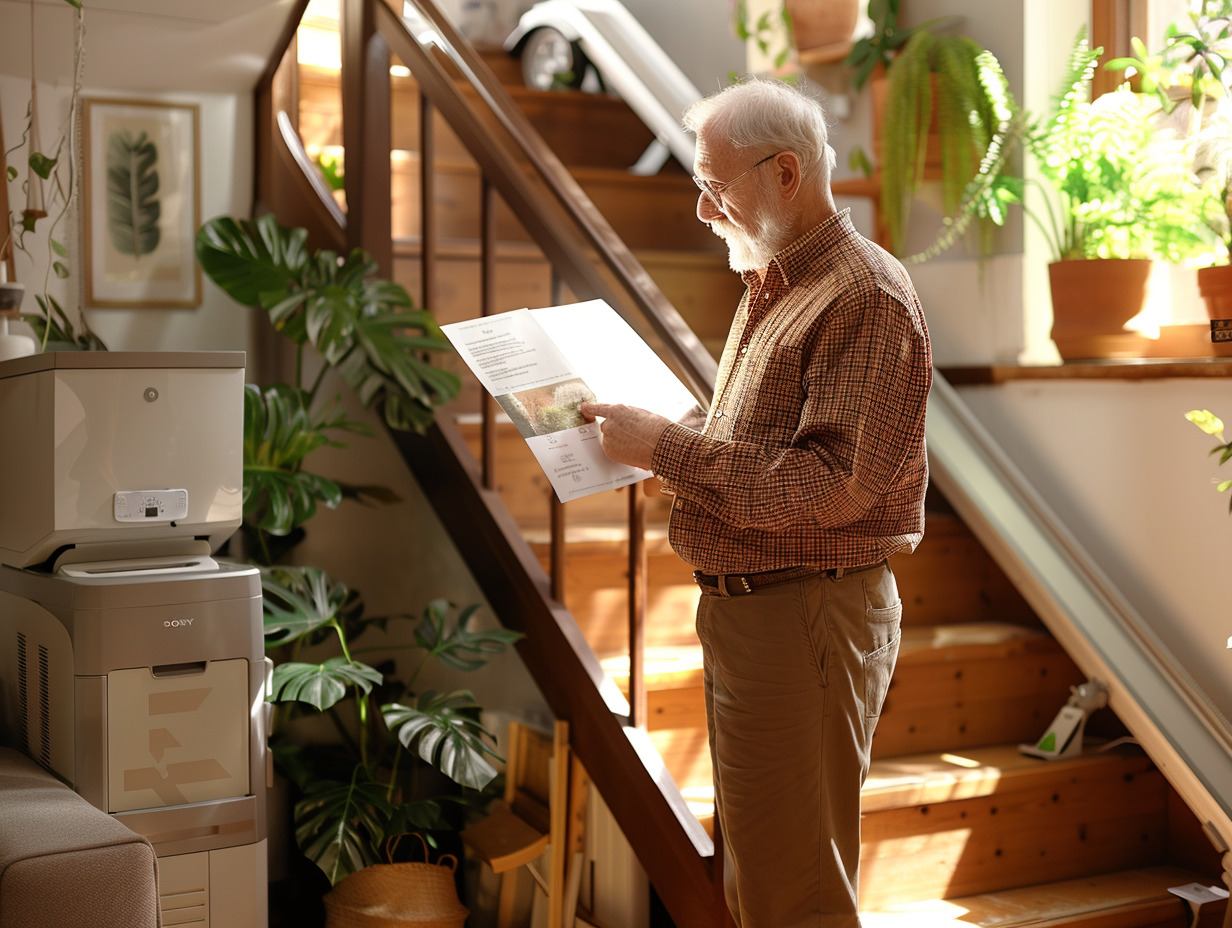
x=751, y=250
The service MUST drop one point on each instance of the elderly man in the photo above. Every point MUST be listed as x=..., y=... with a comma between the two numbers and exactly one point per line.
x=809, y=473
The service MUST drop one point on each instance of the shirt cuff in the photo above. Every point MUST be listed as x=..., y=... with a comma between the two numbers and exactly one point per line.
x=677, y=445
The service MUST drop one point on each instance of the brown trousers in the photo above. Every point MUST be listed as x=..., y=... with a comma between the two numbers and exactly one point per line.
x=795, y=676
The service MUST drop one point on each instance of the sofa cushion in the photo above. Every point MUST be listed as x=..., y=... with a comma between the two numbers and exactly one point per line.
x=64, y=863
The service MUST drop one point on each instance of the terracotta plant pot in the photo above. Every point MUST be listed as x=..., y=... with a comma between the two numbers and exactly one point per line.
x=1091, y=302
x=1215, y=285
x=823, y=27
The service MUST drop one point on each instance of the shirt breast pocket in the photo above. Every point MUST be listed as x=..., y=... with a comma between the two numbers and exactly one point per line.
x=771, y=394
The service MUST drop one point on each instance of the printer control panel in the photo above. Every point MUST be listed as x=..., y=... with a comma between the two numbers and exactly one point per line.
x=151, y=505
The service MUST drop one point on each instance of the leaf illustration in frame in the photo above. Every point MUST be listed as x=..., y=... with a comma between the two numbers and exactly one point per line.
x=133, y=207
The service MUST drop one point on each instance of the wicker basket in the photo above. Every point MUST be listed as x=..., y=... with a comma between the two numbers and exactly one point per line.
x=401, y=895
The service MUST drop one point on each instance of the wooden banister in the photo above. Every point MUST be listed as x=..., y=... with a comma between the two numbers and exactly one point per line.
x=503, y=129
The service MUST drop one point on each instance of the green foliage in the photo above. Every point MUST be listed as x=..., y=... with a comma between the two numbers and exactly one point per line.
x=340, y=825
x=446, y=735
x=332, y=171
x=280, y=431
x=885, y=41
x=365, y=789
x=459, y=648
x=366, y=786
x=1116, y=184
x=54, y=331
x=366, y=329
x=1122, y=185
x=771, y=30
x=1212, y=425
x=50, y=187
x=976, y=116
x=1190, y=78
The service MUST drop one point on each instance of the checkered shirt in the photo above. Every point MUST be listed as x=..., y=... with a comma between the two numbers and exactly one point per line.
x=813, y=450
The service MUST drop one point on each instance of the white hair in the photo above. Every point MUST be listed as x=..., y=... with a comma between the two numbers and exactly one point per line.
x=769, y=115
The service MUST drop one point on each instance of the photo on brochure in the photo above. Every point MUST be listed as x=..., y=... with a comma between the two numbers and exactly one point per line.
x=548, y=408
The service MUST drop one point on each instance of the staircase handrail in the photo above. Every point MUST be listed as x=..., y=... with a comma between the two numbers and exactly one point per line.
x=638, y=300
x=1186, y=736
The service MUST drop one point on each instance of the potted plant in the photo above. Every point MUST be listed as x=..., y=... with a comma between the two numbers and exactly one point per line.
x=368, y=783
x=1117, y=193
x=1122, y=188
x=873, y=53
x=1189, y=77
x=818, y=30
x=948, y=114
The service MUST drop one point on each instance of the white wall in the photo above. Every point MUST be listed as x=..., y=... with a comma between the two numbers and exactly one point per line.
x=1130, y=477
x=226, y=187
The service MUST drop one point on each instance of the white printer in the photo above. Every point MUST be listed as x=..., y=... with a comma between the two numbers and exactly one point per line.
x=131, y=661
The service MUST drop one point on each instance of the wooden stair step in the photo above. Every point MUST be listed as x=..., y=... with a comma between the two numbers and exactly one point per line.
x=986, y=821
x=934, y=827
x=1137, y=898
x=970, y=684
x=569, y=123
x=919, y=780
x=647, y=212
x=954, y=686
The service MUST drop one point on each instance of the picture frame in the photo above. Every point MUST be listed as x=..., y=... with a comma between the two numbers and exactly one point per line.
x=141, y=190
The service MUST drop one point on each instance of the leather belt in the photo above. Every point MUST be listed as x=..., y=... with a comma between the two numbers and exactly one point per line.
x=743, y=584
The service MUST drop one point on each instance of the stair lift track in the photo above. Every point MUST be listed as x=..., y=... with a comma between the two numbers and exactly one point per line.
x=1175, y=722
x=557, y=36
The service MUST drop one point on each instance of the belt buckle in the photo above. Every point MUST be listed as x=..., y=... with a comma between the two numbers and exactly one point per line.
x=744, y=588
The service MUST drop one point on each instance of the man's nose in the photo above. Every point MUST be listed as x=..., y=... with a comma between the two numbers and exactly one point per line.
x=707, y=209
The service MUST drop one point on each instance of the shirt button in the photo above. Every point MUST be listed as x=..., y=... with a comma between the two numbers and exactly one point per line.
x=718, y=414
x=744, y=348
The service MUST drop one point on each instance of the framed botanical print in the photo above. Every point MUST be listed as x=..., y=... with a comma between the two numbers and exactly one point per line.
x=142, y=203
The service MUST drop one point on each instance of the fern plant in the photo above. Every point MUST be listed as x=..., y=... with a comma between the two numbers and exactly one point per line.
x=1122, y=185
x=1190, y=77
x=1112, y=183
x=975, y=116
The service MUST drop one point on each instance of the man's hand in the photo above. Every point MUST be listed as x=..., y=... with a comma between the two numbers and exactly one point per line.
x=628, y=434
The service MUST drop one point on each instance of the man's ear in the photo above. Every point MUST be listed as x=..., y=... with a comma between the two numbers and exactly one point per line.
x=787, y=173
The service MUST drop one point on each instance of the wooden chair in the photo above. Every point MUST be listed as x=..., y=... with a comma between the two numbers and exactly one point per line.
x=544, y=807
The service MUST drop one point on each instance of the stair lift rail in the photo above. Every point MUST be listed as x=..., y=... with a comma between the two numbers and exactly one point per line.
x=1174, y=721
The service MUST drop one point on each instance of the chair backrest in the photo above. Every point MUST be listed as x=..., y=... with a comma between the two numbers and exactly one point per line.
x=536, y=764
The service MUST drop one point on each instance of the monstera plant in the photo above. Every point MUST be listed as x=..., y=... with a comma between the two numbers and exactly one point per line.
x=367, y=782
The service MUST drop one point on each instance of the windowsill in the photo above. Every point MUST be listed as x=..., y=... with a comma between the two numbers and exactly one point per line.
x=1112, y=369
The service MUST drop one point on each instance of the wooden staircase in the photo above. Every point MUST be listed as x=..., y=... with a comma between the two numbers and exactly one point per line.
x=958, y=826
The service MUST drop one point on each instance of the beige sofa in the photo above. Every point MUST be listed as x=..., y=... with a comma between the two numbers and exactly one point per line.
x=64, y=863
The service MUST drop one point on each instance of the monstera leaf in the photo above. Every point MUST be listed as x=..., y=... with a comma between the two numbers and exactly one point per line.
x=338, y=825
x=459, y=648
x=321, y=685
x=279, y=432
x=366, y=329
x=133, y=207
x=447, y=737
x=299, y=600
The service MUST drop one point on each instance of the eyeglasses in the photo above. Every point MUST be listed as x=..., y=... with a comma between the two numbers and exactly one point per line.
x=714, y=190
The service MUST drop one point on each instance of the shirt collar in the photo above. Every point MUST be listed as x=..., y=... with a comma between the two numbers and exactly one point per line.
x=803, y=253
